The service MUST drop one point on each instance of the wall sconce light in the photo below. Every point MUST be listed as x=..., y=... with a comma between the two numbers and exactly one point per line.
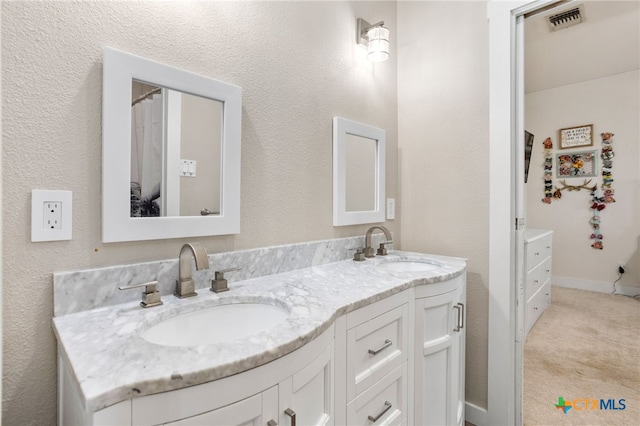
x=375, y=37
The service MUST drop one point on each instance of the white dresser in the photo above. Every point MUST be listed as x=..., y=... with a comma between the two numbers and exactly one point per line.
x=537, y=286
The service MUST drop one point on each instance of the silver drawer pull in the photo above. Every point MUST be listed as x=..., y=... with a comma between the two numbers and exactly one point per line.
x=272, y=423
x=289, y=412
x=462, y=314
x=387, y=343
x=387, y=406
x=457, y=307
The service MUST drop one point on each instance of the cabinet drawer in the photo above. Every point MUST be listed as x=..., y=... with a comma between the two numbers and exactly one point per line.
x=375, y=348
x=537, y=305
x=537, y=251
x=537, y=277
x=245, y=412
x=385, y=401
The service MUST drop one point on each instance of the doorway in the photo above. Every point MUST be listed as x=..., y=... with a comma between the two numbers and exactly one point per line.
x=507, y=208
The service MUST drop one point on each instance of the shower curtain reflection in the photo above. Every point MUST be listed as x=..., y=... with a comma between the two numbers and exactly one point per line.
x=146, y=153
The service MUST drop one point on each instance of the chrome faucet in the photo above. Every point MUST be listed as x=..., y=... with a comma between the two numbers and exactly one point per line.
x=382, y=251
x=185, y=286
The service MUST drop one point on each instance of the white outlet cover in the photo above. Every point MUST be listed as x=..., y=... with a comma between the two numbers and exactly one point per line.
x=39, y=232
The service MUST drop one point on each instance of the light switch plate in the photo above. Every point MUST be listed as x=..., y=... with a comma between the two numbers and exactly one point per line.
x=391, y=208
x=51, y=213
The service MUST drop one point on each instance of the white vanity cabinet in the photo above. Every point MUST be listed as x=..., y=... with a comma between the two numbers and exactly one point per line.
x=538, y=248
x=439, y=344
x=397, y=361
x=300, y=384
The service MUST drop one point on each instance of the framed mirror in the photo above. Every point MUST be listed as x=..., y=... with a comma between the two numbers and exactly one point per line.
x=358, y=173
x=171, y=152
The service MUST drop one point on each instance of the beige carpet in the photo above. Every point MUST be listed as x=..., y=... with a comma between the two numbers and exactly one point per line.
x=585, y=345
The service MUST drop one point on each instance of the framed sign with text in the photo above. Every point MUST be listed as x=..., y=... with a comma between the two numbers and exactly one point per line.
x=575, y=137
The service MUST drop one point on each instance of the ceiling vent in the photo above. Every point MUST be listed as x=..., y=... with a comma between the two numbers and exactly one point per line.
x=567, y=18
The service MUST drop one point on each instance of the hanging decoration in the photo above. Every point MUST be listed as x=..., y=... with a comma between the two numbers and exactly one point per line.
x=548, y=171
x=599, y=201
x=582, y=164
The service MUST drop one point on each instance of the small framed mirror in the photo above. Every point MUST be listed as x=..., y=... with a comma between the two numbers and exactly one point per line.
x=358, y=173
x=171, y=152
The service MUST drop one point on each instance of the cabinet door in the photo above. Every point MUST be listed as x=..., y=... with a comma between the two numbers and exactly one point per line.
x=458, y=362
x=306, y=398
x=435, y=359
x=256, y=410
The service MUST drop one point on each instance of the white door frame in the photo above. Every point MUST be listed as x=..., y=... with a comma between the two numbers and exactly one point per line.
x=506, y=245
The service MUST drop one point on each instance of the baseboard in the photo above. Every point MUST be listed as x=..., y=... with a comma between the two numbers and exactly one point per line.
x=597, y=286
x=474, y=414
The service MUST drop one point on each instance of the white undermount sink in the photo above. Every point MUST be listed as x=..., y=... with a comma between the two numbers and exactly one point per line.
x=407, y=266
x=216, y=324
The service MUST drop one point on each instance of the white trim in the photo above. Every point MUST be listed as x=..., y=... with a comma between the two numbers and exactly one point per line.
x=595, y=286
x=504, y=187
x=476, y=415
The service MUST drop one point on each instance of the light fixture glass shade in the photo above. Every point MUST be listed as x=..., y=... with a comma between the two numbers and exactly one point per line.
x=378, y=47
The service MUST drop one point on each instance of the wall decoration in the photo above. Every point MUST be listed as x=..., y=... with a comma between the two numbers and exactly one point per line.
x=580, y=164
x=599, y=201
x=528, y=148
x=576, y=164
x=548, y=169
x=574, y=137
x=585, y=185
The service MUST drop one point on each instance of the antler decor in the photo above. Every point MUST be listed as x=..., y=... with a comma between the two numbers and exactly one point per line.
x=577, y=187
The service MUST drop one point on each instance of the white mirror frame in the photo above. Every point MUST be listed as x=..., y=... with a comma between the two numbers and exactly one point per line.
x=120, y=69
x=341, y=128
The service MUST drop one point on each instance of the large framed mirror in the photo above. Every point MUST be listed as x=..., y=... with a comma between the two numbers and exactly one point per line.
x=358, y=173
x=170, y=151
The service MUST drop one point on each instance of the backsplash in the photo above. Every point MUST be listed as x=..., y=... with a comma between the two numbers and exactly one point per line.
x=87, y=289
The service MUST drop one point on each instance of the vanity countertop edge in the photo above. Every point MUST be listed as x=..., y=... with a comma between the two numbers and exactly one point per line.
x=110, y=362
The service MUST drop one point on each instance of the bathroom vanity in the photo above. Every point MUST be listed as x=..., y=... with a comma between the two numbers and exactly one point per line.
x=373, y=342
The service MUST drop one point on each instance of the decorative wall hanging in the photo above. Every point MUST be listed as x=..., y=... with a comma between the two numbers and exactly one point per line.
x=575, y=137
x=580, y=164
x=599, y=201
x=548, y=170
x=576, y=164
x=585, y=185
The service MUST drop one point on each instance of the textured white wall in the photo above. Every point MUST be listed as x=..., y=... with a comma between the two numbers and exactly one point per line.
x=611, y=104
x=298, y=65
x=443, y=134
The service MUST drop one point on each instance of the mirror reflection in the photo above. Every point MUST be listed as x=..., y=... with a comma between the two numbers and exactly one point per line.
x=360, y=173
x=175, y=152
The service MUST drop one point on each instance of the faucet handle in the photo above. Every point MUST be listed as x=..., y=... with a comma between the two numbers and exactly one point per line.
x=150, y=295
x=382, y=250
x=219, y=284
x=358, y=255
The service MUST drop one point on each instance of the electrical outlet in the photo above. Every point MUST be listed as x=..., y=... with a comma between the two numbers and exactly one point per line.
x=51, y=215
x=621, y=268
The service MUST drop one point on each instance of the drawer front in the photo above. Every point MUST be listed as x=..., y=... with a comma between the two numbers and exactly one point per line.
x=375, y=348
x=384, y=403
x=537, y=251
x=533, y=282
x=545, y=270
x=536, y=306
x=246, y=412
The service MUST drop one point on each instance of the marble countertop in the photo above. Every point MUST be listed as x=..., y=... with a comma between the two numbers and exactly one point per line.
x=110, y=362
